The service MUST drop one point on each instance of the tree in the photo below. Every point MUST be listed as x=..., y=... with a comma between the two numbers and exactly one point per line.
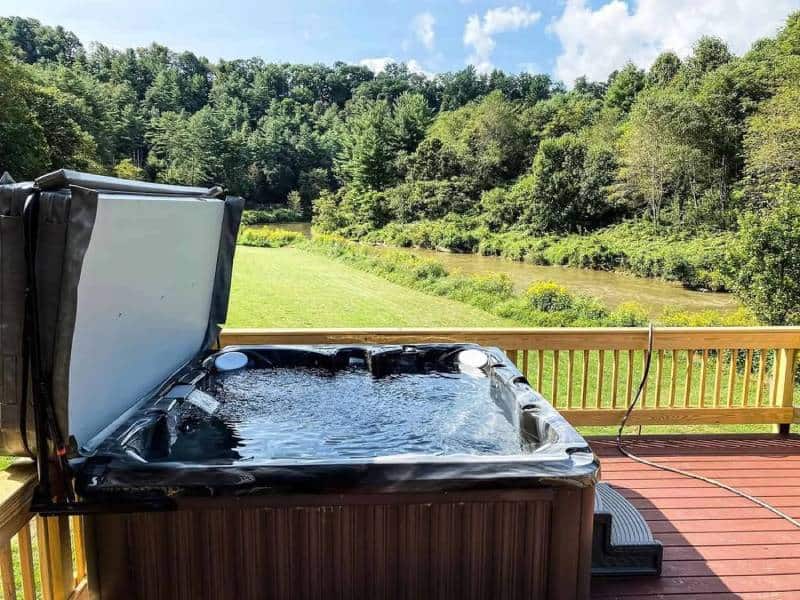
x=623, y=88
x=458, y=89
x=39, y=43
x=772, y=142
x=765, y=268
x=662, y=154
x=490, y=139
x=368, y=146
x=560, y=194
x=664, y=69
x=412, y=117
x=708, y=53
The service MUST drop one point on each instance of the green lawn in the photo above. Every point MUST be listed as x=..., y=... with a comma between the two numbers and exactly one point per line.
x=286, y=287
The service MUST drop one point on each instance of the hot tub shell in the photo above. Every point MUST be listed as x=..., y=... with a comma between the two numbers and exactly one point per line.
x=418, y=527
x=142, y=282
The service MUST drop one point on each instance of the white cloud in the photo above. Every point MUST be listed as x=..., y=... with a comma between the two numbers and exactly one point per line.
x=414, y=66
x=597, y=41
x=423, y=26
x=378, y=64
x=479, y=33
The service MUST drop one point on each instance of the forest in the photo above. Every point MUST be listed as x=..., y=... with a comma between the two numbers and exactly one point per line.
x=688, y=170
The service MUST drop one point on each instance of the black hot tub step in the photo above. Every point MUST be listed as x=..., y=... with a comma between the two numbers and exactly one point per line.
x=622, y=543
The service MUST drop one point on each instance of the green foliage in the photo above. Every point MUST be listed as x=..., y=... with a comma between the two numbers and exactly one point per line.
x=493, y=293
x=664, y=69
x=268, y=238
x=23, y=148
x=624, y=87
x=369, y=144
x=488, y=138
x=127, y=170
x=273, y=214
x=552, y=193
x=35, y=42
x=772, y=142
x=708, y=53
x=548, y=296
x=453, y=233
x=431, y=199
x=665, y=160
x=496, y=163
x=351, y=212
x=765, y=261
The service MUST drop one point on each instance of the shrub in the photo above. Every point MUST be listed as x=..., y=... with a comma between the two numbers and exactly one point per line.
x=766, y=263
x=280, y=214
x=548, y=296
x=268, y=238
x=629, y=314
x=432, y=199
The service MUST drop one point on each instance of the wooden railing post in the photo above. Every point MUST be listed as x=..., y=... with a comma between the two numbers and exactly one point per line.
x=784, y=383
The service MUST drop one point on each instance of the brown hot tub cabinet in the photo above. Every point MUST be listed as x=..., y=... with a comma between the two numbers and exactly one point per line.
x=416, y=471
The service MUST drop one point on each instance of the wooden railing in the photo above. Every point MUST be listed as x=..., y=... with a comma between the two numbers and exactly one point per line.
x=39, y=557
x=697, y=375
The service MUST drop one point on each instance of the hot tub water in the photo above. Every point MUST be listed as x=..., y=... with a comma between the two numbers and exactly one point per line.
x=306, y=413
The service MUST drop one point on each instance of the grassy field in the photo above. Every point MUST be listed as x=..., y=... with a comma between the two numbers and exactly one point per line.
x=287, y=287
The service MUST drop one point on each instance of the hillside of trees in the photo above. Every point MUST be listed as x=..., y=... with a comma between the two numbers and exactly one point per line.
x=688, y=170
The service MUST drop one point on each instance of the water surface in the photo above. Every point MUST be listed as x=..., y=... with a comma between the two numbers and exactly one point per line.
x=297, y=414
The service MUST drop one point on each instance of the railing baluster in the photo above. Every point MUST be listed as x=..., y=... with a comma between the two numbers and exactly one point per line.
x=26, y=562
x=525, y=363
x=614, y=378
x=45, y=570
x=571, y=357
x=718, y=378
x=539, y=370
x=773, y=386
x=731, y=379
x=629, y=379
x=598, y=396
x=702, y=394
x=584, y=378
x=554, y=386
x=512, y=356
x=687, y=389
x=643, y=401
x=7, y=572
x=762, y=368
x=80, y=553
x=673, y=376
x=659, y=374
x=748, y=366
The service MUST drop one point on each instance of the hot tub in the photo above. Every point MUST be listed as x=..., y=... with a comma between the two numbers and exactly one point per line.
x=418, y=471
x=376, y=471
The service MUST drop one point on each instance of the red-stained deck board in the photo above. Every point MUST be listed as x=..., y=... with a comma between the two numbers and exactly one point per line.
x=716, y=545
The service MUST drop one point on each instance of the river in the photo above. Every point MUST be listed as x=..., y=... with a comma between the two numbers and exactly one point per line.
x=610, y=287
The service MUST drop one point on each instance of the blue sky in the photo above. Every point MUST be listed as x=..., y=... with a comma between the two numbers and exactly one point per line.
x=565, y=38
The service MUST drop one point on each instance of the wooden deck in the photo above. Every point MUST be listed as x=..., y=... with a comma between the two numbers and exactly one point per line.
x=716, y=544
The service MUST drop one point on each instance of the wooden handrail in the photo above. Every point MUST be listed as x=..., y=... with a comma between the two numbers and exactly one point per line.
x=62, y=574
x=593, y=338
x=703, y=375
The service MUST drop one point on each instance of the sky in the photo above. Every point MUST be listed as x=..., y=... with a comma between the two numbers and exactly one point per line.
x=564, y=38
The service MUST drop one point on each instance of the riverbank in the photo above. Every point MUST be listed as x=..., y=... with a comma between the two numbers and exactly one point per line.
x=697, y=261
x=612, y=287
x=542, y=304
